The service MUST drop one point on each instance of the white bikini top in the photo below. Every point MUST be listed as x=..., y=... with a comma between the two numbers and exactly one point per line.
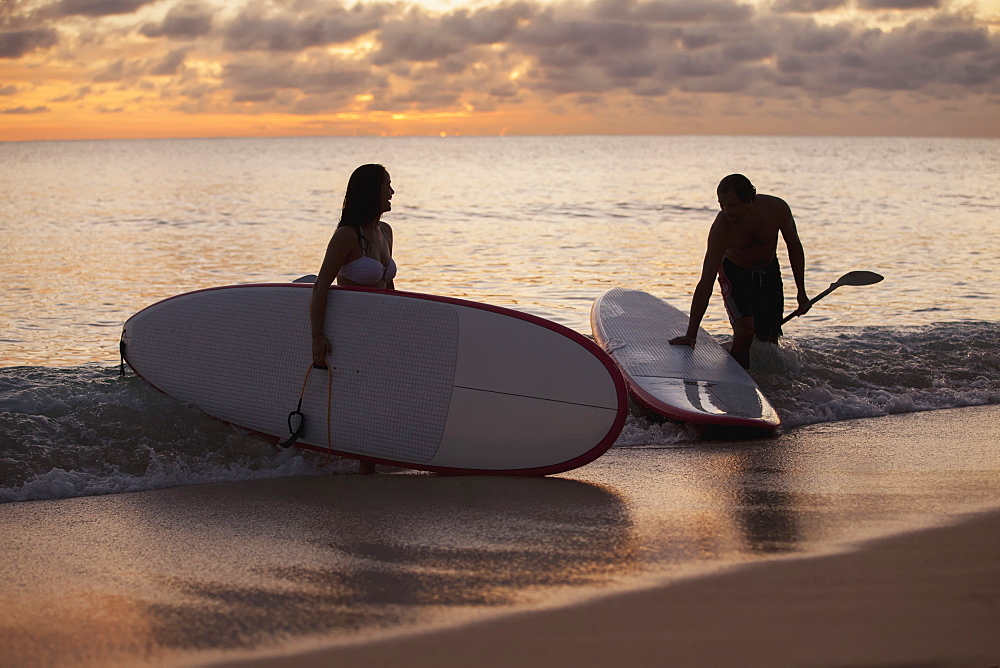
x=368, y=271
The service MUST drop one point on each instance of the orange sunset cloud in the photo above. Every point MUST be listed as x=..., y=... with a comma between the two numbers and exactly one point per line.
x=74, y=69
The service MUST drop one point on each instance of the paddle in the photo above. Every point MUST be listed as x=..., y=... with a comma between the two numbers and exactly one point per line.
x=850, y=278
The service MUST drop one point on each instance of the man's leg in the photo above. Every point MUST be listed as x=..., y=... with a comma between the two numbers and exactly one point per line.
x=742, y=340
x=740, y=314
x=768, y=305
x=773, y=338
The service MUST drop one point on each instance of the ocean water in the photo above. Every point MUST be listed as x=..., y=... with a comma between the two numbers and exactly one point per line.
x=92, y=232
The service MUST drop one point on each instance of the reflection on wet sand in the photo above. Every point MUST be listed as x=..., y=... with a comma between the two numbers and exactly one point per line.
x=805, y=490
x=191, y=572
x=401, y=549
x=764, y=512
x=695, y=506
x=252, y=565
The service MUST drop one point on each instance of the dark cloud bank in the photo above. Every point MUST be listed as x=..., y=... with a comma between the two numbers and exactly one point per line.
x=282, y=55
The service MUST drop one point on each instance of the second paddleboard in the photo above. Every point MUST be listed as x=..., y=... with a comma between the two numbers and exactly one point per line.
x=702, y=385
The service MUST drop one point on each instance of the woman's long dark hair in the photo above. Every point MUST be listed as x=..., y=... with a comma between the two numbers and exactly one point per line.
x=363, y=200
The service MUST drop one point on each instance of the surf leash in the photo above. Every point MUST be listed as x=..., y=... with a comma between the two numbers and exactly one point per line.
x=121, y=354
x=298, y=415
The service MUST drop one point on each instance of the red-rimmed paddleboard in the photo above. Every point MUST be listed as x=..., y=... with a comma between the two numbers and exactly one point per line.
x=420, y=381
x=703, y=385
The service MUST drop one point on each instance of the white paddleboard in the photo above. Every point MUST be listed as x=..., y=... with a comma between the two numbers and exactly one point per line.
x=703, y=385
x=420, y=381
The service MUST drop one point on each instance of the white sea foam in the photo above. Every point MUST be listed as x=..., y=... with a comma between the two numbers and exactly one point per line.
x=866, y=372
x=85, y=430
x=60, y=483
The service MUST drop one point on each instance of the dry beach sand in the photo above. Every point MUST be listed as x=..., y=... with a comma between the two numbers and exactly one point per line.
x=868, y=542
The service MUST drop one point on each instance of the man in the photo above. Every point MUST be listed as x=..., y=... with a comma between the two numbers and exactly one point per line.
x=742, y=250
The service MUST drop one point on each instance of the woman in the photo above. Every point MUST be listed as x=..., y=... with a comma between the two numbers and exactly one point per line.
x=360, y=251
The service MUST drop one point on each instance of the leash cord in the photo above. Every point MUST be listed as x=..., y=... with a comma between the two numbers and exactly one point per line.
x=296, y=431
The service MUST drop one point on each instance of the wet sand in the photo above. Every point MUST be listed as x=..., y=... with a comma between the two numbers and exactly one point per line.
x=930, y=598
x=771, y=552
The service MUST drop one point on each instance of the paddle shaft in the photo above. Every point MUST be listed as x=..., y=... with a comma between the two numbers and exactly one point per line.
x=833, y=286
x=850, y=278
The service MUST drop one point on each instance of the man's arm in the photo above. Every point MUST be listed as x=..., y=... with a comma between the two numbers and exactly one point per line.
x=703, y=291
x=797, y=260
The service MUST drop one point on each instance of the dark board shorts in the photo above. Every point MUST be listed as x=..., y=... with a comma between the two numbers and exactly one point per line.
x=754, y=293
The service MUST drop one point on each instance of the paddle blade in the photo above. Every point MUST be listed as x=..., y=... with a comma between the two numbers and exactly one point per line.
x=859, y=278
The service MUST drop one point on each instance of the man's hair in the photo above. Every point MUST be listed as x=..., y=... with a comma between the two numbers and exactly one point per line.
x=740, y=185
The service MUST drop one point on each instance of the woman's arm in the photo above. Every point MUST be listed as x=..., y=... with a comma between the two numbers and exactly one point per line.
x=387, y=231
x=336, y=255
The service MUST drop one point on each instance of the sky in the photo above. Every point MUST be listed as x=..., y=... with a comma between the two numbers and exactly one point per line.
x=97, y=69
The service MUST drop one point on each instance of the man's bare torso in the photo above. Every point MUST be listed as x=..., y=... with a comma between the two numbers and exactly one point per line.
x=752, y=241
